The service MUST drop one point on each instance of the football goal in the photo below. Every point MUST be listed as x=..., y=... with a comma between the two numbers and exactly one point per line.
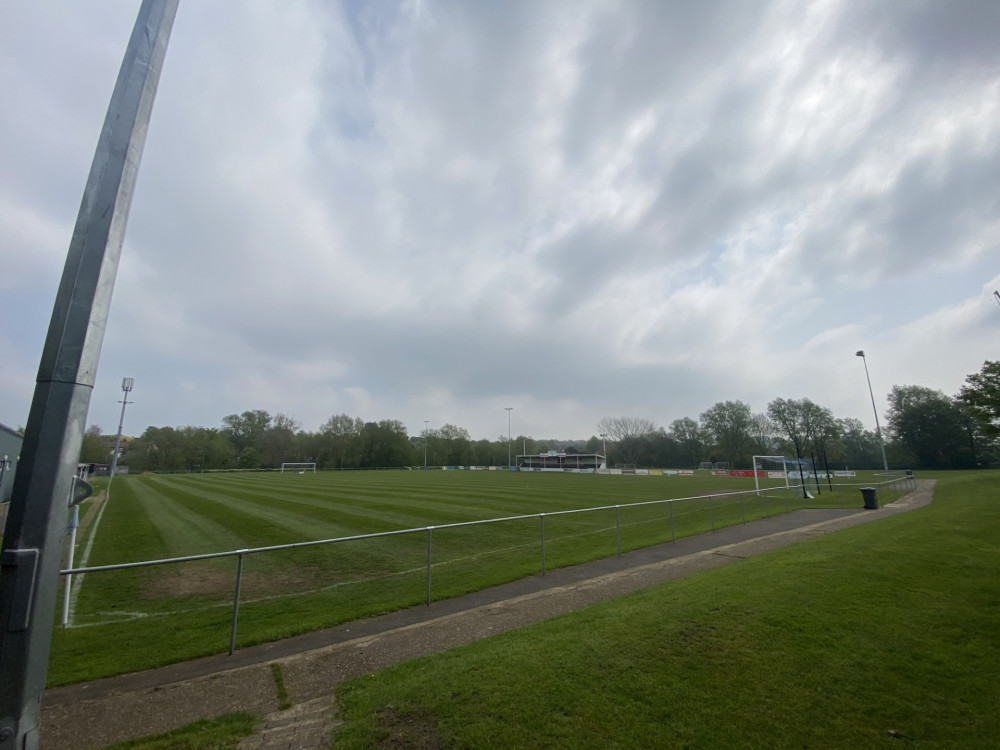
x=774, y=472
x=301, y=468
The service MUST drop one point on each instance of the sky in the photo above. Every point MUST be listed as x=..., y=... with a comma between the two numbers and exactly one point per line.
x=583, y=209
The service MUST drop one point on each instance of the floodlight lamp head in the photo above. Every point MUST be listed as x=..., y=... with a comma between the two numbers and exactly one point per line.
x=127, y=384
x=859, y=353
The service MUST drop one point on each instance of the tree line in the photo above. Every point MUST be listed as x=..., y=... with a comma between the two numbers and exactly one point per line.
x=924, y=429
x=257, y=439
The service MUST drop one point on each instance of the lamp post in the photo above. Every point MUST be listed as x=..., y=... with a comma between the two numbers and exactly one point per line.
x=509, y=410
x=878, y=430
x=604, y=439
x=127, y=384
x=426, y=422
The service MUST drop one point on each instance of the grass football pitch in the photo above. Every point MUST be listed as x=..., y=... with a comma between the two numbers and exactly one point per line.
x=143, y=617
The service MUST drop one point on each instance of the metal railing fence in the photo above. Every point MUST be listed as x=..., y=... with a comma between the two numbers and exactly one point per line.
x=702, y=513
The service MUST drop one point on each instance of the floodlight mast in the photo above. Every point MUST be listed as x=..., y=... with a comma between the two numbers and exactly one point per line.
x=878, y=430
x=127, y=385
x=509, y=410
x=36, y=523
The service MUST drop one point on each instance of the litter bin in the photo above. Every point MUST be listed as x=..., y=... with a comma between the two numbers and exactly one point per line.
x=871, y=501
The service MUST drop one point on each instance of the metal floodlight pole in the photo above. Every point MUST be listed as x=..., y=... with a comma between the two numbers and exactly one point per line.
x=878, y=430
x=426, y=422
x=509, y=410
x=32, y=546
x=127, y=384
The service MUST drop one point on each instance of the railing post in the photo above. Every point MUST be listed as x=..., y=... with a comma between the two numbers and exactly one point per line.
x=541, y=518
x=236, y=603
x=670, y=504
x=743, y=515
x=711, y=511
x=68, y=591
x=430, y=529
x=618, y=530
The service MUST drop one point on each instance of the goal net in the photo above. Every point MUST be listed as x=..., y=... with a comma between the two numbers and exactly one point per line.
x=301, y=468
x=772, y=473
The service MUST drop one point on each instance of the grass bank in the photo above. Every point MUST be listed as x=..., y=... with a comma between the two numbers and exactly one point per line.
x=879, y=636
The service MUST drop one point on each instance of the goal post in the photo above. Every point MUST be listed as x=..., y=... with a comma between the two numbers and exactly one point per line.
x=300, y=467
x=773, y=470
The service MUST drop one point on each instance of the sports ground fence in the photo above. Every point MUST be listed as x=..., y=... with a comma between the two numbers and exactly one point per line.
x=685, y=517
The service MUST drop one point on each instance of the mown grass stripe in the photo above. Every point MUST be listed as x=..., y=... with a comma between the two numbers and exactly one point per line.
x=293, y=591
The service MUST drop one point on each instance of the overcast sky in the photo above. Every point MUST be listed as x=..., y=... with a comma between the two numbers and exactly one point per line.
x=436, y=210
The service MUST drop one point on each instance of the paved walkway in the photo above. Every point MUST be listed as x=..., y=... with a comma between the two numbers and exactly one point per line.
x=95, y=714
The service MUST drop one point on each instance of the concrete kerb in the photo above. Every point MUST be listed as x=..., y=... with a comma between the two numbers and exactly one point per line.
x=95, y=714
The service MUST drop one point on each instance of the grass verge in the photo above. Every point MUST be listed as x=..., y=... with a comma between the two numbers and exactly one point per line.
x=279, y=686
x=879, y=636
x=223, y=733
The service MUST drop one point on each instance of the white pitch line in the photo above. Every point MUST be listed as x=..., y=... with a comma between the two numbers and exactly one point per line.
x=83, y=560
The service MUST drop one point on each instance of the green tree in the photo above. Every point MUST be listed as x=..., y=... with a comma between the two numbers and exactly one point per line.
x=385, y=444
x=930, y=429
x=95, y=448
x=762, y=435
x=727, y=424
x=455, y=446
x=981, y=398
x=276, y=443
x=246, y=429
x=339, y=441
x=808, y=427
x=664, y=450
x=858, y=448
x=248, y=458
x=485, y=453
x=690, y=440
x=159, y=449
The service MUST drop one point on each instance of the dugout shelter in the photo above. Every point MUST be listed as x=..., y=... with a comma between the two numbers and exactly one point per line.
x=577, y=463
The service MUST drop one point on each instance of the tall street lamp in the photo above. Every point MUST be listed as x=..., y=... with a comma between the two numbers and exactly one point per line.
x=878, y=430
x=509, y=410
x=426, y=422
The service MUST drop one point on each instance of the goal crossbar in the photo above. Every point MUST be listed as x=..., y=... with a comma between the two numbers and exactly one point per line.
x=760, y=461
x=300, y=466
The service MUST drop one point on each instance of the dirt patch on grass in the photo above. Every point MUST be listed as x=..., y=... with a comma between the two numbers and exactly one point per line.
x=404, y=730
x=190, y=580
x=206, y=579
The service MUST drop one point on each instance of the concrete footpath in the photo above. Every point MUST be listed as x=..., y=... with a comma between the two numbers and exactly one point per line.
x=95, y=714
